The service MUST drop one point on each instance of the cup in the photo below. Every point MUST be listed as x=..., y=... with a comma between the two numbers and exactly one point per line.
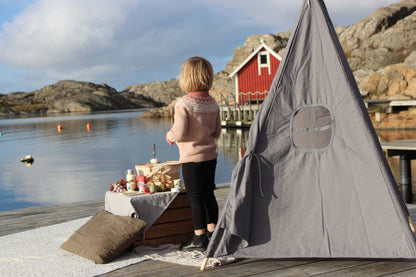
x=142, y=188
x=177, y=183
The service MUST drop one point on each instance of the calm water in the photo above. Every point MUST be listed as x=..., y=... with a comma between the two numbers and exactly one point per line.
x=77, y=165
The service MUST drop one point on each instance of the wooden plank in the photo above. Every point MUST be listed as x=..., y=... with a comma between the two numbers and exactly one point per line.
x=26, y=219
x=173, y=215
x=177, y=239
x=409, y=144
x=317, y=267
x=377, y=268
x=144, y=268
x=181, y=201
x=404, y=273
x=179, y=270
x=167, y=271
x=253, y=267
x=169, y=229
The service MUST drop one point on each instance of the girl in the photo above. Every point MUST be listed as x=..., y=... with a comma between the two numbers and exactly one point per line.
x=196, y=125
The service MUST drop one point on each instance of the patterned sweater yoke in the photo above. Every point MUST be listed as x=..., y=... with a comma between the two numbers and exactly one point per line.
x=198, y=103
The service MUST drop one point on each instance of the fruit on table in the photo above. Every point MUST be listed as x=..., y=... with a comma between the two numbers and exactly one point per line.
x=122, y=182
x=152, y=188
x=118, y=186
x=161, y=187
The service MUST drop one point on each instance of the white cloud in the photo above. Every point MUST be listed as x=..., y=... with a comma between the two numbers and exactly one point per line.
x=135, y=41
x=99, y=38
x=283, y=13
x=55, y=33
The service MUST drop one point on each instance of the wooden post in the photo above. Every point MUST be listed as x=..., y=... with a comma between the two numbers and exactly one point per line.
x=405, y=179
x=249, y=107
x=412, y=227
x=242, y=104
x=235, y=112
x=258, y=102
x=204, y=263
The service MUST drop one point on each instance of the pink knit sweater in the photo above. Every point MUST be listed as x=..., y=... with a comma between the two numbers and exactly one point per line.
x=196, y=124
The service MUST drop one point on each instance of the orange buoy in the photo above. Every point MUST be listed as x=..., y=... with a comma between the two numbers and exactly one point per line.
x=59, y=128
x=88, y=127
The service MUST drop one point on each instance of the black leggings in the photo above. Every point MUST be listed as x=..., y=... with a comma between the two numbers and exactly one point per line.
x=199, y=181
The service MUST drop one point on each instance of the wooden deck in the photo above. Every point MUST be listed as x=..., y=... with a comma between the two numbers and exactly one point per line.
x=25, y=219
x=406, y=149
x=398, y=147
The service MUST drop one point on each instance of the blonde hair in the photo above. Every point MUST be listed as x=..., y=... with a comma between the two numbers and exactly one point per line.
x=196, y=75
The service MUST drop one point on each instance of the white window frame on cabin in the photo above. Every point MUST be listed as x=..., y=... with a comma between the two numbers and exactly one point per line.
x=267, y=64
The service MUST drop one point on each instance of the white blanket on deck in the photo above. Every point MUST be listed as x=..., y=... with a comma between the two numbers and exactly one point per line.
x=37, y=253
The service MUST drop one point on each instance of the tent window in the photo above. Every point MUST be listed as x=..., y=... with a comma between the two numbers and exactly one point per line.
x=312, y=128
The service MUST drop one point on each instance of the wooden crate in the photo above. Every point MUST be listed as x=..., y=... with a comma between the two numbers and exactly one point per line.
x=174, y=226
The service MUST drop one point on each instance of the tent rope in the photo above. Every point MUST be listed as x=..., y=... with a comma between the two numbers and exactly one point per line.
x=259, y=166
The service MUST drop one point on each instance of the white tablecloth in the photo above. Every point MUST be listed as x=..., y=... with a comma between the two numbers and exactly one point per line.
x=148, y=207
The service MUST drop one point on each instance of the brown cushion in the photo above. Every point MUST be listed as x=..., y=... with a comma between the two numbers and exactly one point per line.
x=105, y=236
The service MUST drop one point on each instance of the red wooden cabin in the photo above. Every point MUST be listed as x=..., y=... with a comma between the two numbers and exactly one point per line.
x=254, y=76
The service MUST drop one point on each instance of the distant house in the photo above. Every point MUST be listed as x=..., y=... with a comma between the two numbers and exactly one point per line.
x=254, y=76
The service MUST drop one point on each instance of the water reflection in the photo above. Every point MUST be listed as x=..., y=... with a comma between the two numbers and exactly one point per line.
x=232, y=144
x=74, y=164
x=78, y=164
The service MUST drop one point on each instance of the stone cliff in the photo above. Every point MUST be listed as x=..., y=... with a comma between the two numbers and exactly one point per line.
x=381, y=51
x=72, y=96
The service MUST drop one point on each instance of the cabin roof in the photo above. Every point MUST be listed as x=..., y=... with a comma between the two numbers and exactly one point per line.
x=261, y=46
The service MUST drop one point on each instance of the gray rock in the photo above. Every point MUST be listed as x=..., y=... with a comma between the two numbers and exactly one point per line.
x=163, y=92
x=385, y=37
x=411, y=60
x=71, y=96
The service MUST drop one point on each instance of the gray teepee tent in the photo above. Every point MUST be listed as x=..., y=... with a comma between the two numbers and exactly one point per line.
x=314, y=181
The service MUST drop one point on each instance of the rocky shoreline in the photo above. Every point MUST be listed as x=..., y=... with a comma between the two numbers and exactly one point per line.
x=381, y=51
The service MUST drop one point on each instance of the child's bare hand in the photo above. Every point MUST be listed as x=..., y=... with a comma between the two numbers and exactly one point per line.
x=170, y=142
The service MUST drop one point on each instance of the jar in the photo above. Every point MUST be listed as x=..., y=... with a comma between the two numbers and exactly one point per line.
x=130, y=176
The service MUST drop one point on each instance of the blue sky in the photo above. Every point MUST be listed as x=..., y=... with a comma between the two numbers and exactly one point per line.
x=124, y=42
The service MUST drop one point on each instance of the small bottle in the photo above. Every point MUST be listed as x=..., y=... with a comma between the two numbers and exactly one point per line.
x=131, y=186
x=130, y=176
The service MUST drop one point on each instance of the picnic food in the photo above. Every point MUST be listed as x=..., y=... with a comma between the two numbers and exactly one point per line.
x=152, y=188
x=159, y=178
x=119, y=186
